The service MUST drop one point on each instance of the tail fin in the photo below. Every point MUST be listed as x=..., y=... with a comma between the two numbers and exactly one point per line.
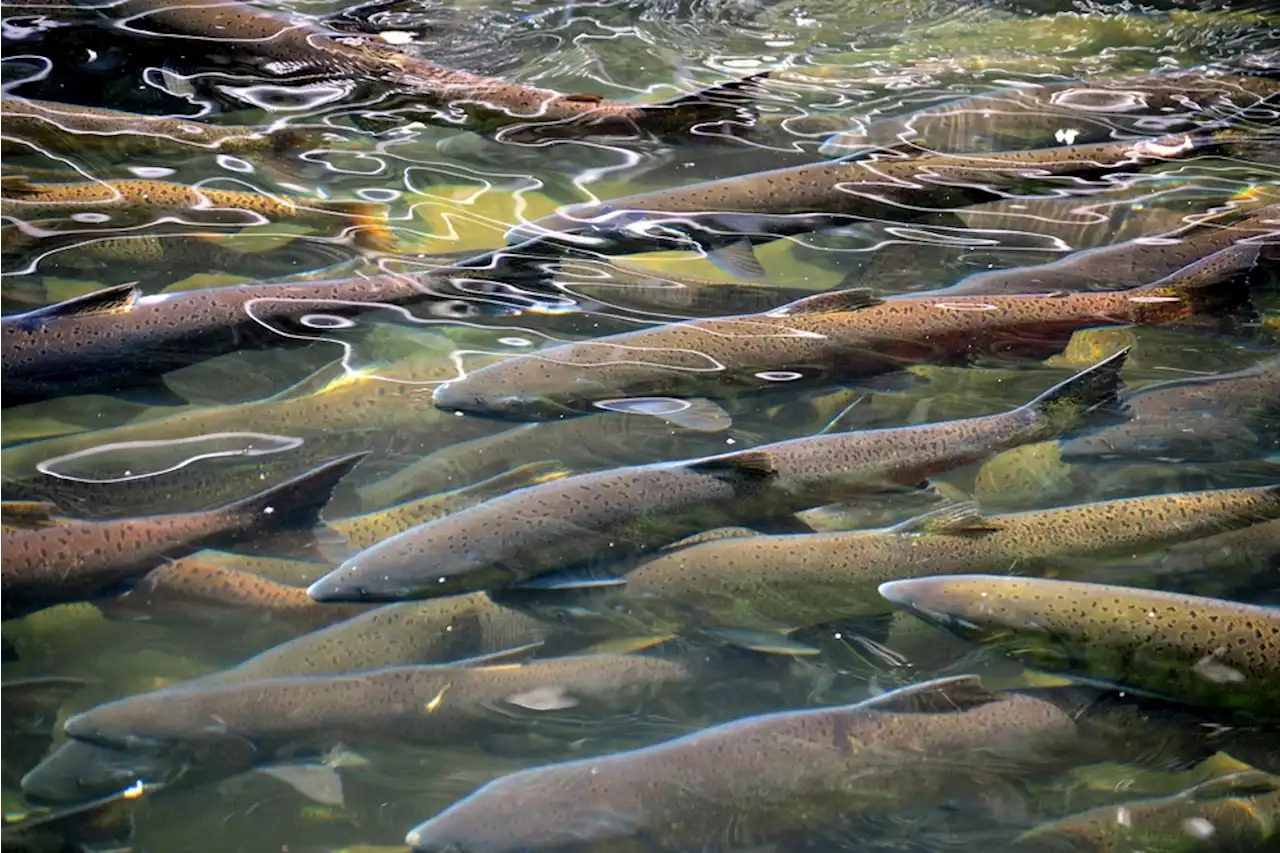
x=721, y=101
x=294, y=504
x=1071, y=404
x=374, y=233
x=1209, y=288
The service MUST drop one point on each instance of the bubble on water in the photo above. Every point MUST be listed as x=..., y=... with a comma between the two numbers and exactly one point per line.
x=234, y=164
x=378, y=194
x=90, y=218
x=515, y=342
x=779, y=375
x=326, y=321
x=151, y=172
x=290, y=98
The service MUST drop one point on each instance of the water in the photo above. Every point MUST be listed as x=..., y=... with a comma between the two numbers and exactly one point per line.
x=294, y=390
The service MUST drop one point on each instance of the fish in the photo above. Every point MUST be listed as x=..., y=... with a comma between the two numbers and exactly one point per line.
x=578, y=444
x=724, y=217
x=295, y=43
x=43, y=208
x=1202, y=419
x=116, y=339
x=1208, y=652
x=441, y=630
x=1238, y=811
x=764, y=776
x=784, y=582
x=1222, y=245
x=1256, y=546
x=68, y=128
x=609, y=516
x=30, y=707
x=841, y=334
x=51, y=560
x=1071, y=111
x=103, y=824
x=426, y=705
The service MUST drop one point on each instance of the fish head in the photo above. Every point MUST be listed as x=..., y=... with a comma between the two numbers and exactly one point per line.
x=959, y=603
x=78, y=771
x=607, y=230
x=180, y=721
x=382, y=574
x=547, y=810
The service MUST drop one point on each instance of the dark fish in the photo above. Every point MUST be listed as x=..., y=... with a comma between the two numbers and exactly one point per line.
x=296, y=43
x=612, y=515
x=843, y=334
x=1216, y=244
x=778, y=583
x=49, y=560
x=311, y=715
x=104, y=824
x=1205, y=419
x=118, y=338
x=762, y=776
x=72, y=129
x=78, y=772
x=726, y=215
x=1214, y=653
x=30, y=710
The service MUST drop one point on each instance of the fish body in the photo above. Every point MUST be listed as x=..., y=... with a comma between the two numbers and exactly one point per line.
x=1206, y=651
x=414, y=704
x=118, y=338
x=1235, y=813
x=794, y=581
x=799, y=199
x=1205, y=419
x=73, y=128
x=1038, y=114
x=763, y=776
x=608, y=516
x=839, y=334
x=1142, y=260
x=50, y=560
x=297, y=43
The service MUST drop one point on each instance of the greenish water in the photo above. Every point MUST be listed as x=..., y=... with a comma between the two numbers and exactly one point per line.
x=436, y=190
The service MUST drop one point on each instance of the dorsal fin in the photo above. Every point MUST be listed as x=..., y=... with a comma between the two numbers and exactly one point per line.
x=29, y=514
x=1246, y=783
x=961, y=519
x=750, y=463
x=109, y=300
x=940, y=695
x=503, y=657
x=332, y=375
x=836, y=301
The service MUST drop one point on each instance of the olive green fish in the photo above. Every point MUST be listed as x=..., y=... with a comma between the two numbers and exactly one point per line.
x=842, y=334
x=1218, y=244
x=72, y=129
x=53, y=208
x=763, y=776
x=604, y=517
x=1204, y=419
x=1214, y=653
x=780, y=583
x=725, y=216
x=1236, y=813
x=296, y=43
x=427, y=705
x=50, y=560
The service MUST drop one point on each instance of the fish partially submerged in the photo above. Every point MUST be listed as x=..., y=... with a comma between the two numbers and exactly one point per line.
x=50, y=209
x=49, y=560
x=725, y=216
x=292, y=43
x=117, y=339
x=72, y=129
x=765, y=776
x=608, y=516
x=1202, y=419
x=843, y=334
x=1214, y=653
x=779, y=583
x=303, y=716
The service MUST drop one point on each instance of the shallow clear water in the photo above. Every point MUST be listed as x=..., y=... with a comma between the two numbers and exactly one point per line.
x=338, y=381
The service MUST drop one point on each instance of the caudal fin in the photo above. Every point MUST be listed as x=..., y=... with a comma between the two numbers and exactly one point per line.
x=1073, y=403
x=373, y=232
x=733, y=99
x=294, y=504
x=1211, y=289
